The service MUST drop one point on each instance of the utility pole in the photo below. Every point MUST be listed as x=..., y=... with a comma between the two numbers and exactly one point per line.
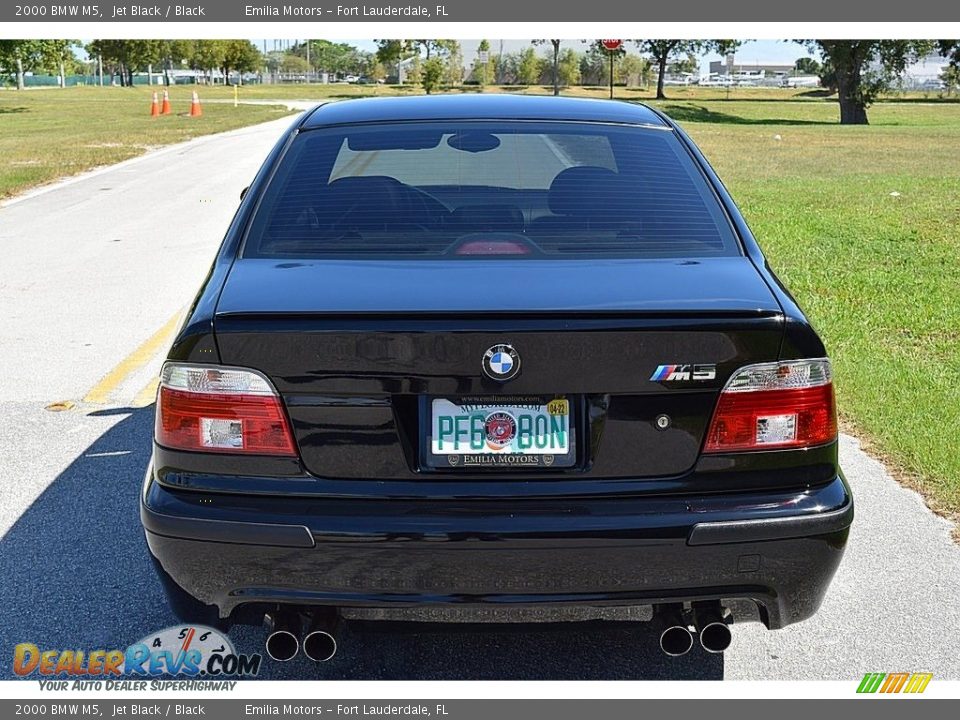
x=500, y=65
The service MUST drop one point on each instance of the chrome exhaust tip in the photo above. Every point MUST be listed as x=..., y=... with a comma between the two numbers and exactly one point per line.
x=282, y=644
x=716, y=637
x=675, y=636
x=676, y=640
x=713, y=625
x=320, y=646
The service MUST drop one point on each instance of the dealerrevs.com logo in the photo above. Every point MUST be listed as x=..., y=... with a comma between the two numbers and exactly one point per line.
x=194, y=651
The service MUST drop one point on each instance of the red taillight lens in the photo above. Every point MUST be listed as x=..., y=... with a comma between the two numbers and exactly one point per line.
x=212, y=409
x=775, y=406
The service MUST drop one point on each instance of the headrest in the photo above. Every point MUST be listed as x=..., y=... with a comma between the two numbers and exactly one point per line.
x=583, y=190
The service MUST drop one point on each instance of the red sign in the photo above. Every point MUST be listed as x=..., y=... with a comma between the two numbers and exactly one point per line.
x=612, y=45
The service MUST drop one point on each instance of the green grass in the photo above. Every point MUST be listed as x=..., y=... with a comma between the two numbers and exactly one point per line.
x=878, y=272
x=862, y=223
x=46, y=134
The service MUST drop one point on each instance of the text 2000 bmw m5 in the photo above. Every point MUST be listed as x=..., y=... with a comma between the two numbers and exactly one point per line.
x=458, y=354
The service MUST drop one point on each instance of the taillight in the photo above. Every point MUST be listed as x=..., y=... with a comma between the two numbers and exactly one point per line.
x=777, y=405
x=219, y=409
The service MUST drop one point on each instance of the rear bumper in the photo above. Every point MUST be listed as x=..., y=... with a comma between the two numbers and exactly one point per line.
x=779, y=550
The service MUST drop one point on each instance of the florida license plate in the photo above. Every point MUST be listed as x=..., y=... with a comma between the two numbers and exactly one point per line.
x=530, y=432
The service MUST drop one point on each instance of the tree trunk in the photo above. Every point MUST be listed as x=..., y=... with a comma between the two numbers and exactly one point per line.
x=63, y=76
x=19, y=74
x=556, y=59
x=852, y=109
x=661, y=72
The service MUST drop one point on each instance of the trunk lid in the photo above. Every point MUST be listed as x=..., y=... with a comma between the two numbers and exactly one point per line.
x=358, y=349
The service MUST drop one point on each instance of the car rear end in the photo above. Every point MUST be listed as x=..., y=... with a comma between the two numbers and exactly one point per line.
x=469, y=362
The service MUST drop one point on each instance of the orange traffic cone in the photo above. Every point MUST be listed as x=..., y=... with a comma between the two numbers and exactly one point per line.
x=154, y=107
x=165, y=108
x=195, y=110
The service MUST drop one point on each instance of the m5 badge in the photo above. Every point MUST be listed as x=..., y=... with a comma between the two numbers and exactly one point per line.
x=684, y=373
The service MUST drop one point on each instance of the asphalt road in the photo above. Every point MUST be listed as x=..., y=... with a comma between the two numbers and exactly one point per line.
x=93, y=274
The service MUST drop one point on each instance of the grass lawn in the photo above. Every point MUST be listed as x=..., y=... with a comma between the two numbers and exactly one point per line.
x=49, y=133
x=862, y=223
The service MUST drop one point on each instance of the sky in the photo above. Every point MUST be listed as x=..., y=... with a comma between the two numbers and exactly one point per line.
x=754, y=51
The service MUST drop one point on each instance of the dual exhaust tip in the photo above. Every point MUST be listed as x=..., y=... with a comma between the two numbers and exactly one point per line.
x=710, y=624
x=319, y=643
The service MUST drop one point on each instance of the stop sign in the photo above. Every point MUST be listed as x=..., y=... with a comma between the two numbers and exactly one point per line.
x=611, y=45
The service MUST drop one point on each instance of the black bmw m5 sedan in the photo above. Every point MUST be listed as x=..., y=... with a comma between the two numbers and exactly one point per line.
x=473, y=352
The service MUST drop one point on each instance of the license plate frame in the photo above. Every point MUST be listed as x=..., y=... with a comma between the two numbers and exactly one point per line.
x=509, y=462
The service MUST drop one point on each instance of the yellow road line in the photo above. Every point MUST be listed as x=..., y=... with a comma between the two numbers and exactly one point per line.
x=148, y=395
x=100, y=393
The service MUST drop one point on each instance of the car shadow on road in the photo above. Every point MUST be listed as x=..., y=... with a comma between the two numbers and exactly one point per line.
x=556, y=651
x=76, y=575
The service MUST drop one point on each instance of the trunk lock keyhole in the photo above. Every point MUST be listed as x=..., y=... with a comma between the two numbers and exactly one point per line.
x=663, y=422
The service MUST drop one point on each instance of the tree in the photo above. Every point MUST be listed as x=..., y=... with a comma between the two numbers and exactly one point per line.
x=415, y=73
x=19, y=56
x=294, y=64
x=394, y=52
x=528, y=67
x=724, y=47
x=483, y=71
x=207, y=55
x=432, y=46
x=56, y=56
x=594, y=64
x=334, y=58
x=568, y=67
x=633, y=70
x=555, y=65
x=662, y=50
x=274, y=59
x=951, y=79
x=453, y=65
x=865, y=68
x=505, y=68
x=683, y=65
x=950, y=49
x=128, y=56
x=807, y=66
x=239, y=55
x=432, y=73
x=376, y=71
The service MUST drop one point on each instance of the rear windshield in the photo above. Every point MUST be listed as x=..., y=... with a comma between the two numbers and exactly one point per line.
x=488, y=189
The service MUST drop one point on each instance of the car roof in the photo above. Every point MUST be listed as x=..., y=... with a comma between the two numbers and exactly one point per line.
x=480, y=107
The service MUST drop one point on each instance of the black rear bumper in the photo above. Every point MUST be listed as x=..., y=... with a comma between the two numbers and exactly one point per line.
x=778, y=549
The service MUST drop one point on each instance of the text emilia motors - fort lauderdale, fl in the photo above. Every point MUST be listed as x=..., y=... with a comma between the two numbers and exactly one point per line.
x=345, y=11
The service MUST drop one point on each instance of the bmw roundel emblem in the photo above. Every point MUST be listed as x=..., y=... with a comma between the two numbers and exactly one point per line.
x=501, y=362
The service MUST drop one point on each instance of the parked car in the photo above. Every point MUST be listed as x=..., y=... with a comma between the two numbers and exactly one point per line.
x=468, y=352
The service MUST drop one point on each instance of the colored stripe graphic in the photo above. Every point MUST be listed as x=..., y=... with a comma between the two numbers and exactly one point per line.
x=661, y=372
x=870, y=682
x=892, y=683
x=918, y=682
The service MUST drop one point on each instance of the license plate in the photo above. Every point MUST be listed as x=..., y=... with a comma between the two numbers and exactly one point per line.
x=500, y=432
